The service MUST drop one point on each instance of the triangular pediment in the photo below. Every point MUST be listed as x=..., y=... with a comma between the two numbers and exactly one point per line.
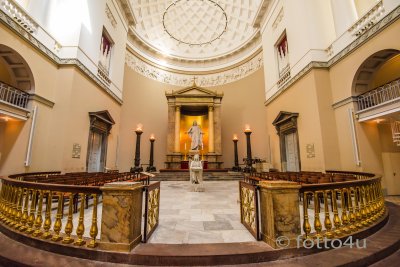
x=284, y=116
x=193, y=91
x=104, y=116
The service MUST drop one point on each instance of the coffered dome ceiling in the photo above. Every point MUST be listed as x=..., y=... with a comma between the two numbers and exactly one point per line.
x=196, y=35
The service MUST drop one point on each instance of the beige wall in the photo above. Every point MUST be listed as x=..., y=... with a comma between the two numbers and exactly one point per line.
x=4, y=73
x=388, y=72
x=310, y=97
x=57, y=127
x=145, y=102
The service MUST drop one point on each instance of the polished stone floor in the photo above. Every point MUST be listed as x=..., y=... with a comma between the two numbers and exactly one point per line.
x=212, y=216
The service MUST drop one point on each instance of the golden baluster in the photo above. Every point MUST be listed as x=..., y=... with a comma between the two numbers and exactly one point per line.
x=15, y=207
x=10, y=212
x=47, y=220
x=7, y=211
x=94, y=229
x=19, y=210
x=4, y=202
x=39, y=217
x=374, y=207
x=352, y=216
x=336, y=218
x=24, y=218
x=317, y=221
x=69, y=226
x=306, y=223
x=368, y=210
x=327, y=220
x=2, y=199
x=357, y=199
x=58, y=223
x=381, y=201
x=345, y=218
x=363, y=207
x=80, y=229
x=31, y=218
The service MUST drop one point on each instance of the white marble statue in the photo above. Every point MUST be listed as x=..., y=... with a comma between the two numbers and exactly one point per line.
x=197, y=137
x=196, y=174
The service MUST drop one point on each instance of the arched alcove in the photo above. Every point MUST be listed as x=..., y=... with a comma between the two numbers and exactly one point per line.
x=366, y=73
x=14, y=70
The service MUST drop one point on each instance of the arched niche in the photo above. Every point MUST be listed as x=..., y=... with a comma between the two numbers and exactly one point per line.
x=366, y=73
x=14, y=70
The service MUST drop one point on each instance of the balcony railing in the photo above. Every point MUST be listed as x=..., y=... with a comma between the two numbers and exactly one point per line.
x=13, y=95
x=380, y=95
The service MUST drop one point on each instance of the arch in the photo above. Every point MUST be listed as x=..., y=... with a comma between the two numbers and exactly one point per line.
x=365, y=73
x=20, y=74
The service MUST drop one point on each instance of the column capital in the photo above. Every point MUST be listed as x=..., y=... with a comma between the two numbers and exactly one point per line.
x=177, y=108
x=211, y=108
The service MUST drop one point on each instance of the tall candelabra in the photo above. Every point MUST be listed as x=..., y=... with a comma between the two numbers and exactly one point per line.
x=249, y=163
x=151, y=168
x=137, y=167
x=236, y=168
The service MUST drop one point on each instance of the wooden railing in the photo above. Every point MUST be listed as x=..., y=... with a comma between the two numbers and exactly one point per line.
x=341, y=208
x=13, y=95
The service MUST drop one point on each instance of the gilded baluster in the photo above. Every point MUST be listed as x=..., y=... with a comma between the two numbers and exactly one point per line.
x=14, y=211
x=336, y=218
x=24, y=218
x=19, y=210
x=94, y=229
x=368, y=210
x=8, y=211
x=352, y=215
x=345, y=218
x=306, y=223
x=381, y=199
x=31, y=218
x=5, y=189
x=69, y=226
x=58, y=223
x=357, y=200
x=80, y=229
x=10, y=220
x=373, y=203
x=363, y=207
x=327, y=220
x=39, y=217
x=317, y=221
x=2, y=199
x=47, y=220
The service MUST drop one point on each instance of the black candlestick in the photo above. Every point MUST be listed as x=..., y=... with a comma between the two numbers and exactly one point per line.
x=236, y=168
x=249, y=164
x=137, y=167
x=151, y=168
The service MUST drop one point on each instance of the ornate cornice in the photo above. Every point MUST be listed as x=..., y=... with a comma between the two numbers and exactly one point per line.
x=205, y=80
x=28, y=37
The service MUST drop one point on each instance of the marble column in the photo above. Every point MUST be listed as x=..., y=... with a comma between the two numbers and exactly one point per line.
x=121, y=221
x=177, y=129
x=211, y=129
x=280, y=215
x=344, y=15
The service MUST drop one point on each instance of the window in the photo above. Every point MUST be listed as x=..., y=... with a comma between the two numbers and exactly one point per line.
x=106, y=45
x=282, y=50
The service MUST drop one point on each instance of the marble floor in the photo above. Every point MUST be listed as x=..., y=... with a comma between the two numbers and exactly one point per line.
x=212, y=216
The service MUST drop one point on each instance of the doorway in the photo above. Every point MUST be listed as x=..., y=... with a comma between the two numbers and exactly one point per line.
x=291, y=152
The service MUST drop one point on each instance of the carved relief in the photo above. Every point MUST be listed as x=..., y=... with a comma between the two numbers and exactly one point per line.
x=207, y=80
x=110, y=17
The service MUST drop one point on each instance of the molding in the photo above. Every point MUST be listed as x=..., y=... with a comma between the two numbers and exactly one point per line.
x=343, y=102
x=362, y=39
x=42, y=100
x=204, y=80
x=110, y=17
x=28, y=37
x=278, y=19
x=304, y=71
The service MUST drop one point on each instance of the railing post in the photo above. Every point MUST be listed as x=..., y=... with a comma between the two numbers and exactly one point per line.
x=121, y=220
x=280, y=215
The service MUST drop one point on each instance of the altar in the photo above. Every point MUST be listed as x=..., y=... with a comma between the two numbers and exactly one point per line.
x=186, y=106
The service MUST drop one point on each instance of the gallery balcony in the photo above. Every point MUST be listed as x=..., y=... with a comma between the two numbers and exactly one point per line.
x=380, y=101
x=13, y=102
